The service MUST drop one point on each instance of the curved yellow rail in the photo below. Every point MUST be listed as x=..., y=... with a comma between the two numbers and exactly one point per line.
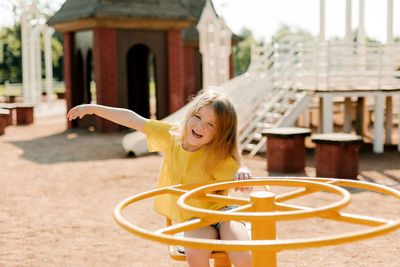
x=272, y=210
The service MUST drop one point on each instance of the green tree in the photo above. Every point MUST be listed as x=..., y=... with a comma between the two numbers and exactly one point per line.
x=242, y=52
x=10, y=61
x=11, y=54
x=57, y=56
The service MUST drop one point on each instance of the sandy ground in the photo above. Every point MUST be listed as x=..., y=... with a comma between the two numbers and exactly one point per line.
x=59, y=189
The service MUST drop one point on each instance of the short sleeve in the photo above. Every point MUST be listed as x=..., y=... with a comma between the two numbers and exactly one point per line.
x=158, y=136
x=225, y=170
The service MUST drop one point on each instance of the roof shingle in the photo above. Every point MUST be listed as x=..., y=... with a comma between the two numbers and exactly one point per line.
x=143, y=9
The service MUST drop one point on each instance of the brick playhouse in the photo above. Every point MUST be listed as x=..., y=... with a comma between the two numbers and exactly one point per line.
x=124, y=44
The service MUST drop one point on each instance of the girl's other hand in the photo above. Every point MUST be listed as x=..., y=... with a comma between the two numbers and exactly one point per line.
x=78, y=111
x=243, y=173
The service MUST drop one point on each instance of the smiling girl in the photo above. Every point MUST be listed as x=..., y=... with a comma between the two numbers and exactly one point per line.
x=203, y=148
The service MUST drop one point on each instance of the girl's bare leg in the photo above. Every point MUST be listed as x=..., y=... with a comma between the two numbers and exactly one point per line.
x=232, y=230
x=198, y=257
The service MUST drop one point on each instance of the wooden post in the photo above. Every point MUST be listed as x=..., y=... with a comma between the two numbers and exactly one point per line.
x=388, y=120
x=378, y=123
x=347, y=115
x=360, y=117
x=327, y=125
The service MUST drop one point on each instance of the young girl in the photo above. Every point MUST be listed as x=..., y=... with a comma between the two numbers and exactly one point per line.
x=203, y=148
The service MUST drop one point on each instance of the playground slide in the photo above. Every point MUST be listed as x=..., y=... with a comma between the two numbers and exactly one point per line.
x=136, y=142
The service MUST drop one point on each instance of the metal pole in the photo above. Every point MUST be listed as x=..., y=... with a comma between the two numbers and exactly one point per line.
x=263, y=201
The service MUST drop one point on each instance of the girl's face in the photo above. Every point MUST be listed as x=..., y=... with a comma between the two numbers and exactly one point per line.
x=200, y=128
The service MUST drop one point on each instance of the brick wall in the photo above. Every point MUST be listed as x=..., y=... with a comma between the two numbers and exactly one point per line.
x=106, y=73
x=175, y=70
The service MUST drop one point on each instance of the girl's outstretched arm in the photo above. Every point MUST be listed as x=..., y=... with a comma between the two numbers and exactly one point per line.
x=121, y=116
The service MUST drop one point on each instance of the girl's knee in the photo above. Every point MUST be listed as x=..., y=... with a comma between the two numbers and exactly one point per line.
x=233, y=230
x=240, y=259
x=197, y=257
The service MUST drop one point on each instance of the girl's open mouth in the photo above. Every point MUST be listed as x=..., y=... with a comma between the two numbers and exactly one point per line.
x=196, y=134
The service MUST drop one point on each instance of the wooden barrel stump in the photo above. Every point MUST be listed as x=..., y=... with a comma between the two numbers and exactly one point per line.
x=286, y=151
x=337, y=155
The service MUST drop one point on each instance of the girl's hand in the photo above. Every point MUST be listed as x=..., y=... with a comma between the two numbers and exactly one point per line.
x=78, y=111
x=243, y=173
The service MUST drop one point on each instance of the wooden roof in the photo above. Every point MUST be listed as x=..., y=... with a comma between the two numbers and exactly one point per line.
x=152, y=14
x=77, y=15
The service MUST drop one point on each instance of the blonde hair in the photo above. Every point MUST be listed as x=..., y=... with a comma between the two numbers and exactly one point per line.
x=224, y=143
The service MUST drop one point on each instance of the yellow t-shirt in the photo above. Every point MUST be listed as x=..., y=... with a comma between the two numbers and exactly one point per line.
x=182, y=167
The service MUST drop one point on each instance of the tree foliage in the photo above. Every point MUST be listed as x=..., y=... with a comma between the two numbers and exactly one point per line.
x=11, y=48
x=10, y=60
x=242, y=52
x=11, y=55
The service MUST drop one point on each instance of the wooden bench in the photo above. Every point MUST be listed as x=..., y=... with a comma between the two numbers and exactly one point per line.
x=23, y=112
x=286, y=151
x=10, y=107
x=4, y=118
x=336, y=155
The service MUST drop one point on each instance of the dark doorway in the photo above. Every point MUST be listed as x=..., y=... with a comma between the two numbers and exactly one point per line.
x=141, y=81
x=78, y=85
x=89, y=77
x=79, y=81
x=83, y=73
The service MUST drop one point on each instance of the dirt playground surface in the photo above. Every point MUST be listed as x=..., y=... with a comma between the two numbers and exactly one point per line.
x=59, y=188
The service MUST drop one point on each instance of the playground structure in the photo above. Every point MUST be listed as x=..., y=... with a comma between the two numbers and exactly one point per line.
x=303, y=76
x=215, y=40
x=263, y=210
x=289, y=79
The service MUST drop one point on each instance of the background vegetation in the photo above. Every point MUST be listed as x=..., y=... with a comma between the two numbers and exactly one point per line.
x=11, y=57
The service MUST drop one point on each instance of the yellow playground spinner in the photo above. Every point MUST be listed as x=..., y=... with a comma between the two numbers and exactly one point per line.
x=262, y=209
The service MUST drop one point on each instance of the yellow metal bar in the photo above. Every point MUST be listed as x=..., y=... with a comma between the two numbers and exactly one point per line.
x=176, y=191
x=225, y=199
x=300, y=192
x=358, y=219
x=195, y=223
x=354, y=183
x=338, y=216
x=182, y=227
x=270, y=245
x=298, y=214
x=263, y=201
x=294, y=194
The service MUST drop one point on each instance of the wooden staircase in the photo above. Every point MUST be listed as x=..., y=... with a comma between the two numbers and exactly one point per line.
x=280, y=110
x=273, y=100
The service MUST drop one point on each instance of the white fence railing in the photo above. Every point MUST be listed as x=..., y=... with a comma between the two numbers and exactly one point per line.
x=326, y=66
x=17, y=88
